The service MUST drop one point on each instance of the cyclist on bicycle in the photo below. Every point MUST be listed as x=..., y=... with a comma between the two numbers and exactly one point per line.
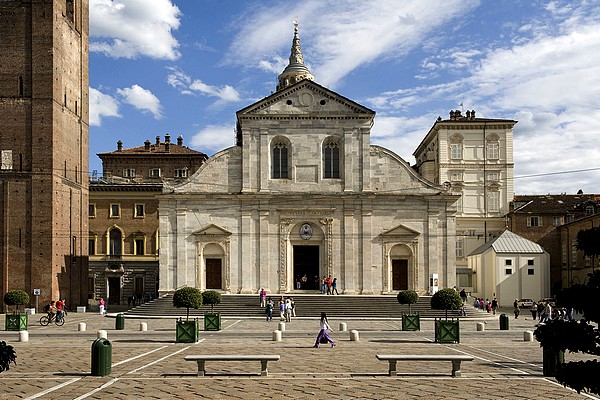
x=52, y=310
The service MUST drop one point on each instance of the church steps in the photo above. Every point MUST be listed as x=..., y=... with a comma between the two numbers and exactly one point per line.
x=342, y=306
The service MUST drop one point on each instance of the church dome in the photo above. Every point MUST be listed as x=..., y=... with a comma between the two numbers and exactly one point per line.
x=296, y=70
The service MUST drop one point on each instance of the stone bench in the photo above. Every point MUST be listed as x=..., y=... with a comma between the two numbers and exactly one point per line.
x=394, y=358
x=264, y=359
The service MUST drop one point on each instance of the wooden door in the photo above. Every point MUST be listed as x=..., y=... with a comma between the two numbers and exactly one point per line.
x=114, y=290
x=399, y=274
x=213, y=273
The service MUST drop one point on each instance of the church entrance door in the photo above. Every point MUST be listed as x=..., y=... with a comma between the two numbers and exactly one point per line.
x=399, y=274
x=213, y=273
x=306, y=263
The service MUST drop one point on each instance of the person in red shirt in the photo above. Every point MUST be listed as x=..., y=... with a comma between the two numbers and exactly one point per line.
x=60, y=307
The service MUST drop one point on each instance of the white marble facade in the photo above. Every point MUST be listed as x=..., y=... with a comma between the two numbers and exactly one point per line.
x=239, y=224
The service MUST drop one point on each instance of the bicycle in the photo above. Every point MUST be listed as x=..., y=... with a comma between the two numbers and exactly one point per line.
x=47, y=319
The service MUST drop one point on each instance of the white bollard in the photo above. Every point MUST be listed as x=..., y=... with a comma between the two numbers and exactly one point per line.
x=480, y=326
x=102, y=334
x=354, y=335
x=81, y=327
x=23, y=336
x=143, y=326
x=277, y=336
x=343, y=327
x=528, y=336
x=282, y=326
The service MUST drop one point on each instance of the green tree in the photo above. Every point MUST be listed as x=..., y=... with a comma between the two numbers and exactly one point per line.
x=576, y=336
x=446, y=299
x=211, y=297
x=16, y=298
x=408, y=297
x=588, y=241
x=188, y=297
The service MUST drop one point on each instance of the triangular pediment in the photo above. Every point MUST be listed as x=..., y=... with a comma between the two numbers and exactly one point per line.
x=401, y=230
x=212, y=230
x=305, y=98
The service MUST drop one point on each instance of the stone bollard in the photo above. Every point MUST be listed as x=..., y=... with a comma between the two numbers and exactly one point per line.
x=282, y=326
x=81, y=327
x=102, y=334
x=23, y=336
x=143, y=326
x=354, y=335
x=528, y=336
x=277, y=336
x=480, y=326
x=343, y=327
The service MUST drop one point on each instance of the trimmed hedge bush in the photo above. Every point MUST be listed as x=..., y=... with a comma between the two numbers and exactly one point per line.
x=446, y=299
x=16, y=298
x=211, y=297
x=408, y=297
x=188, y=297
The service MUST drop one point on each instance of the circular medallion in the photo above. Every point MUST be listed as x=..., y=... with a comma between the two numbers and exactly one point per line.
x=306, y=231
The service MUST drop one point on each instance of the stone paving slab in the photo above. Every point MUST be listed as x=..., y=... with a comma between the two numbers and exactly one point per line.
x=56, y=361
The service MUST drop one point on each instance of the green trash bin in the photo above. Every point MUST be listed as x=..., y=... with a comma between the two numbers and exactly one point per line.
x=503, y=322
x=101, y=357
x=120, y=322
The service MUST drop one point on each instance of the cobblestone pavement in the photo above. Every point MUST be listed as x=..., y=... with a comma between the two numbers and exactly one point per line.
x=56, y=362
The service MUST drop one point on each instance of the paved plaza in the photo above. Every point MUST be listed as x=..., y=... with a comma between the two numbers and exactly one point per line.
x=56, y=362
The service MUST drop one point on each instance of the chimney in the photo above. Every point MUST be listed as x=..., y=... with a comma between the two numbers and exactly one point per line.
x=167, y=138
x=451, y=114
x=119, y=145
x=472, y=114
x=147, y=145
x=468, y=114
x=179, y=140
x=157, y=140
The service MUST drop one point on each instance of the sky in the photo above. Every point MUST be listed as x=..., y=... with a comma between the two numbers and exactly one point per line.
x=185, y=67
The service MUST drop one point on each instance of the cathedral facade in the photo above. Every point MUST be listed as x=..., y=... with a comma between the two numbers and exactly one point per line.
x=304, y=194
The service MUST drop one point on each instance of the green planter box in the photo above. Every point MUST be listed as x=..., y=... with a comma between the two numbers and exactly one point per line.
x=447, y=331
x=16, y=322
x=186, y=331
x=411, y=322
x=551, y=360
x=212, y=321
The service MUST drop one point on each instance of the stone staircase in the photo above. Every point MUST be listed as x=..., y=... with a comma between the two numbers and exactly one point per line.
x=307, y=305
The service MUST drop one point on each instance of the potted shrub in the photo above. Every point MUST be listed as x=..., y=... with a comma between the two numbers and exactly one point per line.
x=7, y=356
x=410, y=321
x=212, y=320
x=446, y=331
x=16, y=321
x=188, y=297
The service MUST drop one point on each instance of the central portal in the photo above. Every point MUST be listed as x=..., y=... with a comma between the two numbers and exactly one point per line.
x=306, y=267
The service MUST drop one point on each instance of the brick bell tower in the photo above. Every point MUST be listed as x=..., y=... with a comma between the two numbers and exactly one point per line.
x=44, y=89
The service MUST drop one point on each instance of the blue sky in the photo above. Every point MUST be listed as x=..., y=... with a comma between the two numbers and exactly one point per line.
x=185, y=68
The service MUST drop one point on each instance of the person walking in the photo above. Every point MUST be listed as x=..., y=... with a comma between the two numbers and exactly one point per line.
x=494, y=305
x=269, y=309
x=281, y=309
x=534, y=311
x=293, y=307
x=101, y=304
x=263, y=296
x=60, y=310
x=516, y=309
x=288, y=310
x=334, y=286
x=323, y=331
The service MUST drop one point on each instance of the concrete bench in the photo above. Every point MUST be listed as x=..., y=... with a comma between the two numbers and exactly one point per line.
x=264, y=359
x=394, y=358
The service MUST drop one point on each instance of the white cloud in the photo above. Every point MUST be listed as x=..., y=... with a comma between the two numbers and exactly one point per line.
x=214, y=138
x=186, y=85
x=142, y=99
x=339, y=36
x=102, y=105
x=133, y=28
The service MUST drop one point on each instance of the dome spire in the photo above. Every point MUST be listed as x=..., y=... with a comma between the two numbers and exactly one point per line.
x=296, y=70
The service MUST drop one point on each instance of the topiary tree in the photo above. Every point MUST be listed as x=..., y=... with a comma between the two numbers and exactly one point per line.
x=446, y=299
x=576, y=336
x=7, y=356
x=188, y=297
x=408, y=297
x=211, y=297
x=16, y=298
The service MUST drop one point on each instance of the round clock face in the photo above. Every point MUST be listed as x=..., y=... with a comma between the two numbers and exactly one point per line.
x=306, y=231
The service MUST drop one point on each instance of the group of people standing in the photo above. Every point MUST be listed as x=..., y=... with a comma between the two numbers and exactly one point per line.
x=328, y=285
x=287, y=307
x=486, y=305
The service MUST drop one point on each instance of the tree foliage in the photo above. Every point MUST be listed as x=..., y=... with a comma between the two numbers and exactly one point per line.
x=588, y=241
x=7, y=356
x=446, y=299
x=576, y=336
x=188, y=297
x=16, y=298
x=211, y=297
x=408, y=297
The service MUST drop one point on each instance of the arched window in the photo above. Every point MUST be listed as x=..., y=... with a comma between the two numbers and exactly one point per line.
x=331, y=160
x=115, y=239
x=280, y=161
